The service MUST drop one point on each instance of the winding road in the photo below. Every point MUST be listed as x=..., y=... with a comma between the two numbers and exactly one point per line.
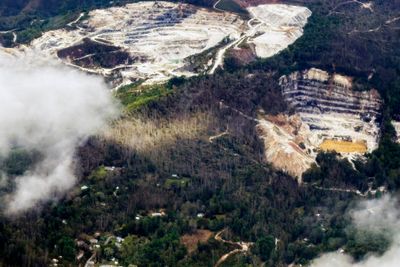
x=243, y=247
x=352, y=191
x=75, y=21
x=212, y=138
x=13, y=33
x=215, y=6
x=250, y=32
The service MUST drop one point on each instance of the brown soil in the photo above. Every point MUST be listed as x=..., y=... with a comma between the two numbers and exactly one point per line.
x=191, y=241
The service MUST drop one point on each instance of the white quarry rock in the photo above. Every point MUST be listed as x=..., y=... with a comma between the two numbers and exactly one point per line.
x=315, y=74
x=162, y=33
x=280, y=26
x=341, y=126
x=326, y=109
x=342, y=81
x=160, y=36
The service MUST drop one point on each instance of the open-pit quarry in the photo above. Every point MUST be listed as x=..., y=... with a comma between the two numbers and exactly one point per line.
x=154, y=41
x=328, y=116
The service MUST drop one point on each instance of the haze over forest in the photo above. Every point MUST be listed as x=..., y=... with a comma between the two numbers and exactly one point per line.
x=199, y=133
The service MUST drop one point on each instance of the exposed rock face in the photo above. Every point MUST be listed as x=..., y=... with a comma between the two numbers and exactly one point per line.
x=331, y=108
x=154, y=41
x=316, y=92
x=332, y=117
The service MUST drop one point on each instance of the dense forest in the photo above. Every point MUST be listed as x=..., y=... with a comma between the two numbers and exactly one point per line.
x=137, y=202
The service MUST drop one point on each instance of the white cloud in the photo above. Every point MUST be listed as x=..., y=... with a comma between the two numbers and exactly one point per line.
x=376, y=216
x=53, y=109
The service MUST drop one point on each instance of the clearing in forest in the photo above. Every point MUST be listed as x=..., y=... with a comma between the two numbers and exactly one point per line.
x=190, y=241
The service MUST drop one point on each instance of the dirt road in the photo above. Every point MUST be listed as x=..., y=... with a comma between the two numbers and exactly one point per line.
x=243, y=247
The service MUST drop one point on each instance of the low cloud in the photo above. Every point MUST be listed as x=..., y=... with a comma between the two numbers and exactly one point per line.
x=53, y=109
x=380, y=216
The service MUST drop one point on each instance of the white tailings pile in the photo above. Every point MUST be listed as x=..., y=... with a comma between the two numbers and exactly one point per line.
x=280, y=26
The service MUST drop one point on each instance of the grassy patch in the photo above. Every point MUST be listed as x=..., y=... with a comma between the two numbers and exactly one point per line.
x=135, y=96
x=176, y=182
x=98, y=173
x=191, y=241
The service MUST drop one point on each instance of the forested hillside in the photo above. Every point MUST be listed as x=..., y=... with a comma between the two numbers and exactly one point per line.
x=184, y=162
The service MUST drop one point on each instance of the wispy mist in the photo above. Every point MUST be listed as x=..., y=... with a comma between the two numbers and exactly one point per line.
x=50, y=108
x=380, y=216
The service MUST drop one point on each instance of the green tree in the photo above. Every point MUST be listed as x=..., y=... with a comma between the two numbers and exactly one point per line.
x=265, y=246
x=66, y=248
